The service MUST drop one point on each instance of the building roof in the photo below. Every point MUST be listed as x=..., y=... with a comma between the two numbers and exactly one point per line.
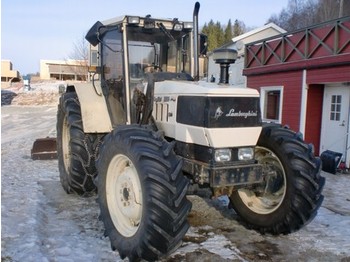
x=63, y=62
x=238, y=41
x=258, y=30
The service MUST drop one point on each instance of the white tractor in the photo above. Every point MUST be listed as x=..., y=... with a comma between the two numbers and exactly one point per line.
x=145, y=132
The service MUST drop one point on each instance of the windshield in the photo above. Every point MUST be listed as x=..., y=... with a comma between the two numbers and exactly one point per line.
x=153, y=50
x=124, y=72
x=157, y=50
x=143, y=57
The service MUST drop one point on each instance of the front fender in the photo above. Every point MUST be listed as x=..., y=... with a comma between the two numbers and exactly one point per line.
x=94, y=110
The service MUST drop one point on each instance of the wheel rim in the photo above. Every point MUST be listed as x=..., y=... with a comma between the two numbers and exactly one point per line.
x=66, y=152
x=124, y=195
x=266, y=198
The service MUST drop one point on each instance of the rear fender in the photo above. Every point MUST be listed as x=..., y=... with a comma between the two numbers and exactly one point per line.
x=94, y=110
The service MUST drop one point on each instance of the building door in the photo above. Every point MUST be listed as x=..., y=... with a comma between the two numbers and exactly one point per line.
x=335, y=120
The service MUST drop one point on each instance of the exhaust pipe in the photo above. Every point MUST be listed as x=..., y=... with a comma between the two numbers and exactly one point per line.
x=195, y=41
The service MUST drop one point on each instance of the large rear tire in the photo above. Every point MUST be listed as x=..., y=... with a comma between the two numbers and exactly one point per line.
x=291, y=194
x=142, y=193
x=76, y=149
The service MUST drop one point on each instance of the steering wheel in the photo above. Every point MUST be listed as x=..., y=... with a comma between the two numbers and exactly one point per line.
x=152, y=69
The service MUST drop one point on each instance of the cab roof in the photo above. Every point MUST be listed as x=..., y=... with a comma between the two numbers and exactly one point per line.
x=120, y=19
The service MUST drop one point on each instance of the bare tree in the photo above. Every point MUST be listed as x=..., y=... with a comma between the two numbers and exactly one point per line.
x=331, y=9
x=79, y=58
x=304, y=13
x=80, y=49
x=327, y=10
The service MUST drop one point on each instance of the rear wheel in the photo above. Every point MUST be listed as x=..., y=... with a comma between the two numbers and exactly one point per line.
x=76, y=149
x=291, y=193
x=142, y=193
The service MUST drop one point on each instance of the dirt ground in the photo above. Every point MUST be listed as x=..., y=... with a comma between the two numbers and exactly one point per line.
x=40, y=222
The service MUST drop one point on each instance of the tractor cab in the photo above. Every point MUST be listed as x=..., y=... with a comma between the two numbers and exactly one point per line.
x=130, y=48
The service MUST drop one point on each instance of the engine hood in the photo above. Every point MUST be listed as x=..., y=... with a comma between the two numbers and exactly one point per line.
x=201, y=88
x=207, y=114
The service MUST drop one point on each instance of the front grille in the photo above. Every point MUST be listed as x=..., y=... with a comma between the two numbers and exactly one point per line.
x=218, y=112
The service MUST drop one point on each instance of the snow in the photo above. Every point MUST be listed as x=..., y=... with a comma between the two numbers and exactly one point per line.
x=330, y=230
x=40, y=222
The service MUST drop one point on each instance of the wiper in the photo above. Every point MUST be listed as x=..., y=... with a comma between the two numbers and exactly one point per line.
x=105, y=30
x=165, y=31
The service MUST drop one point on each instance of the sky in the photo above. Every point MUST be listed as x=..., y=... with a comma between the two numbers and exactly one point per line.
x=47, y=29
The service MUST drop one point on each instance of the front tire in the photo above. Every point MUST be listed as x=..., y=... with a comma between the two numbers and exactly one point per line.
x=291, y=194
x=76, y=149
x=142, y=193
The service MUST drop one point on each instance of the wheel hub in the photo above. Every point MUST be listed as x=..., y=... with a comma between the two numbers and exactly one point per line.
x=128, y=195
x=124, y=195
x=267, y=198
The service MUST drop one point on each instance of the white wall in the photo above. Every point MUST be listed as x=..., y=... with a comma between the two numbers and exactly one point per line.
x=238, y=43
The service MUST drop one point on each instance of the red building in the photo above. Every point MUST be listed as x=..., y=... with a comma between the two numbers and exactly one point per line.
x=304, y=82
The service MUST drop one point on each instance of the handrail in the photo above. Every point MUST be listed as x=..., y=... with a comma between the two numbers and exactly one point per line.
x=322, y=40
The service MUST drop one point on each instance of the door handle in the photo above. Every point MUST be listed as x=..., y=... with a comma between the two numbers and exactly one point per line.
x=343, y=123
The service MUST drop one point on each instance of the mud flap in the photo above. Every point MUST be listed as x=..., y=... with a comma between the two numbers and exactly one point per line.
x=44, y=149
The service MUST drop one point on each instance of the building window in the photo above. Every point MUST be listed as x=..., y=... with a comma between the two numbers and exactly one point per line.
x=271, y=99
x=335, y=108
x=94, y=58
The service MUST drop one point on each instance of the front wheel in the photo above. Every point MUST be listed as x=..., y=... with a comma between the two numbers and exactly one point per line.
x=291, y=193
x=142, y=193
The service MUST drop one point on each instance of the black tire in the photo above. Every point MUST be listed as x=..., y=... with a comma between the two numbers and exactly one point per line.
x=76, y=149
x=142, y=193
x=291, y=195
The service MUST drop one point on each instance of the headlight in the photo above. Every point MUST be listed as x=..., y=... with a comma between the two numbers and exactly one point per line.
x=178, y=26
x=188, y=25
x=133, y=20
x=245, y=153
x=222, y=155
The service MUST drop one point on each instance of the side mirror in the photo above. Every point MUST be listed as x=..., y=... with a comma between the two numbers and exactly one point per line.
x=93, y=35
x=203, y=44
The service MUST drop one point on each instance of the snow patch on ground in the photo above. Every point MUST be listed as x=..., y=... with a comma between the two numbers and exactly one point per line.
x=40, y=222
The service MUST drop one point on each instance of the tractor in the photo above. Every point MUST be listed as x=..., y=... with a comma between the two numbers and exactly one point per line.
x=146, y=131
